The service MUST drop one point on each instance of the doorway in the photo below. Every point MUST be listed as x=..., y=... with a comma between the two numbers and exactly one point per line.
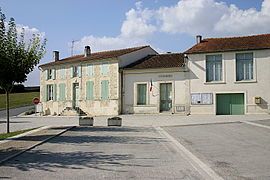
x=230, y=104
x=75, y=95
x=165, y=97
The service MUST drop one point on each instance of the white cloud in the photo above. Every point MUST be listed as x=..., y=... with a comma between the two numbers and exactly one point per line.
x=28, y=32
x=138, y=22
x=135, y=31
x=205, y=17
x=107, y=43
x=210, y=17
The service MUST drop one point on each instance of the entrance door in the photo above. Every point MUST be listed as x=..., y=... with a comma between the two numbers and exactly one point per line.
x=165, y=97
x=75, y=95
x=230, y=104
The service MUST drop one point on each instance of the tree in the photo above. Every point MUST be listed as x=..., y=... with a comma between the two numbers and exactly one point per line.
x=17, y=57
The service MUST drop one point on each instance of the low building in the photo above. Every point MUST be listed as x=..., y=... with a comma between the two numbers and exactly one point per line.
x=156, y=84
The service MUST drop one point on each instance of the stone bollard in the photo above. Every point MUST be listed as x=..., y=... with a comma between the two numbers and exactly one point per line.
x=86, y=121
x=115, y=121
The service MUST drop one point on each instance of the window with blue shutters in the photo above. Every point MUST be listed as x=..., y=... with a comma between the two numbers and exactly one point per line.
x=51, y=74
x=104, y=69
x=90, y=70
x=89, y=90
x=104, y=90
x=76, y=71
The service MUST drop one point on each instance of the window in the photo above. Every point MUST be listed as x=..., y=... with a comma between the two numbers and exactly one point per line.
x=89, y=90
x=104, y=69
x=213, y=68
x=62, y=73
x=141, y=94
x=50, y=92
x=76, y=71
x=104, y=89
x=62, y=92
x=90, y=70
x=50, y=74
x=244, y=66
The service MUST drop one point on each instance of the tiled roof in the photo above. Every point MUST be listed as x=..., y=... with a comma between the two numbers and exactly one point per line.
x=95, y=56
x=244, y=43
x=169, y=60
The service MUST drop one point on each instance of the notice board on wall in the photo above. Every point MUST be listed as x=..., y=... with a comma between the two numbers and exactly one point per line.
x=201, y=98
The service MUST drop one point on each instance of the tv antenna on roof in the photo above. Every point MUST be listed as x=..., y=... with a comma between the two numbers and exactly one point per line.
x=72, y=46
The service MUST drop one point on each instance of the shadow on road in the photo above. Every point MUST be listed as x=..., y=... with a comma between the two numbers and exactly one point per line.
x=47, y=160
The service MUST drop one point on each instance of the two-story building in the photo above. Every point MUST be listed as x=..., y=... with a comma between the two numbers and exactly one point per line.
x=230, y=75
x=89, y=82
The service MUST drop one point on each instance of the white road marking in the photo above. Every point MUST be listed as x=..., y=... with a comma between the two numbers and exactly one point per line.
x=255, y=124
x=200, y=166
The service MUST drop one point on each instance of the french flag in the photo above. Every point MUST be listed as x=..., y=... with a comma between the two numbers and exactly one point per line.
x=151, y=85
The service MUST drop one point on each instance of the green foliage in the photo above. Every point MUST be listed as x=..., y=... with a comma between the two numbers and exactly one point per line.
x=17, y=57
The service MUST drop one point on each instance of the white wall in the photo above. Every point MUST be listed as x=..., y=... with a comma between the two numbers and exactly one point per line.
x=259, y=87
x=133, y=77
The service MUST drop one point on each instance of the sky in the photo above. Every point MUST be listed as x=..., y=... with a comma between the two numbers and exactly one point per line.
x=165, y=25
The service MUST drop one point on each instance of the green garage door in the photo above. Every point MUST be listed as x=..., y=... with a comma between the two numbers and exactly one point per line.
x=230, y=104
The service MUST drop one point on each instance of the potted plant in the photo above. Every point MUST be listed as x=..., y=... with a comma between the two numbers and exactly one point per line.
x=86, y=121
x=115, y=121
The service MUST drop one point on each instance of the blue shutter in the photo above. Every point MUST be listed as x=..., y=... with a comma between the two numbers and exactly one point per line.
x=89, y=90
x=79, y=71
x=104, y=89
x=55, y=92
x=71, y=72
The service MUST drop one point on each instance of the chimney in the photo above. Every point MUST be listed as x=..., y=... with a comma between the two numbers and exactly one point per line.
x=198, y=39
x=87, y=51
x=56, y=55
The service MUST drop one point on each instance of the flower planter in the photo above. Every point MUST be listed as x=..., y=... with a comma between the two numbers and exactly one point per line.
x=115, y=121
x=86, y=121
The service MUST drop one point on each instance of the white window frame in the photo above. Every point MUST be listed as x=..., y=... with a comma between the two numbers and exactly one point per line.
x=136, y=93
x=222, y=70
x=254, y=79
x=50, y=92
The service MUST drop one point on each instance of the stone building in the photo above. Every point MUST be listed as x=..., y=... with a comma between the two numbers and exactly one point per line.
x=89, y=83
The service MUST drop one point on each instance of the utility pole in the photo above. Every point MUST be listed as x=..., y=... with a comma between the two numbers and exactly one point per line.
x=72, y=46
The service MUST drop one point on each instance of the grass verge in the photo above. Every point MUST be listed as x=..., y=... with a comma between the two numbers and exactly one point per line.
x=18, y=99
x=15, y=133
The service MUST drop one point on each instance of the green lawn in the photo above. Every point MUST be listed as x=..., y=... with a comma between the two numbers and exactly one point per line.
x=11, y=134
x=18, y=99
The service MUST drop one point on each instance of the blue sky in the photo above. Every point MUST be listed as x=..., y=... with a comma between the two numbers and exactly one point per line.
x=169, y=25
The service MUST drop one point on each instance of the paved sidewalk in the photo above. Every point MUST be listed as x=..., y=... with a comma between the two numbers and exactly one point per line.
x=143, y=120
x=9, y=148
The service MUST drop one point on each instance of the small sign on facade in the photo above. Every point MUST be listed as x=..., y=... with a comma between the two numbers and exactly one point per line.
x=201, y=98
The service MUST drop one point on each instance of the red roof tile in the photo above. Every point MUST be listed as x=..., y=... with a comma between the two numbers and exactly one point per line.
x=243, y=43
x=95, y=56
x=158, y=61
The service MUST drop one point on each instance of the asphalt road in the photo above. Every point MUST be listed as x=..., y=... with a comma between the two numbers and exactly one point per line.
x=15, y=111
x=234, y=150
x=102, y=153
x=228, y=150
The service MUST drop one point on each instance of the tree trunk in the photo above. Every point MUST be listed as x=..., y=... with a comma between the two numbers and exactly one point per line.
x=7, y=108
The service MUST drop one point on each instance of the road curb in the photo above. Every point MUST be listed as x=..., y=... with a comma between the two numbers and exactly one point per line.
x=35, y=145
x=24, y=134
